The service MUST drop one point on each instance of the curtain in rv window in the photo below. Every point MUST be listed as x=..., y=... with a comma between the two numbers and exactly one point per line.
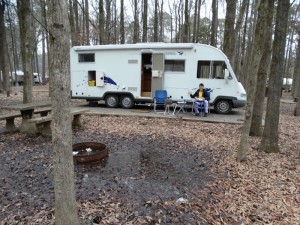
x=86, y=57
x=211, y=69
x=175, y=65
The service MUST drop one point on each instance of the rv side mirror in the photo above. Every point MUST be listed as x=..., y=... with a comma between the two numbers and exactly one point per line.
x=227, y=75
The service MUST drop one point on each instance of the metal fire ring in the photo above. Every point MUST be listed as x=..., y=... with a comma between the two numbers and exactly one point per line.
x=88, y=152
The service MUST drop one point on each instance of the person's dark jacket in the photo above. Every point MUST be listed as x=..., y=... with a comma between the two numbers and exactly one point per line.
x=206, y=94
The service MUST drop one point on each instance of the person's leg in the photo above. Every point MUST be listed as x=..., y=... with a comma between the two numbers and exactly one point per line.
x=205, y=106
x=196, y=106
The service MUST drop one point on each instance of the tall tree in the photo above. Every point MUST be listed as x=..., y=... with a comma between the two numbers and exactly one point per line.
x=87, y=22
x=229, y=42
x=135, y=22
x=297, y=77
x=255, y=60
x=145, y=21
x=122, y=24
x=237, y=36
x=186, y=25
x=214, y=24
x=195, y=21
x=269, y=142
x=24, y=10
x=102, y=35
x=258, y=109
x=3, y=51
x=161, y=21
x=108, y=21
x=65, y=202
x=155, y=25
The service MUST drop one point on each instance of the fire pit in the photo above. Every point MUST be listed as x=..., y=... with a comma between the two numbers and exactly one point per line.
x=87, y=152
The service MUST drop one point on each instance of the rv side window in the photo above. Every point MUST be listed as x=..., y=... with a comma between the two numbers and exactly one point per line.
x=211, y=69
x=218, y=69
x=203, y=70
x=86, y=57
x=175, y=65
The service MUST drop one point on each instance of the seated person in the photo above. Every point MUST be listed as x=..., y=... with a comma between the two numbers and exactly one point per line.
x=202, y=97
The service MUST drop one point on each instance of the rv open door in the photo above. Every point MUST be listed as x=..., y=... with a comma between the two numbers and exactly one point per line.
x=99, y=78
x=158, y=67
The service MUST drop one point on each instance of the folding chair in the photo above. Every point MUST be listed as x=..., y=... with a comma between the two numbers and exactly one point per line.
x=161, y=99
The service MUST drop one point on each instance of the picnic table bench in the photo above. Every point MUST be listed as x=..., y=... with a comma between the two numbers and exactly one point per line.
x=27, y=111
x=10, y=118
x=43, y=124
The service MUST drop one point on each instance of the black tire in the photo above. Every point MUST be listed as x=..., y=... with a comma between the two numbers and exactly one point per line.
x=112, y=101
x=223, y=106
x=126, y=102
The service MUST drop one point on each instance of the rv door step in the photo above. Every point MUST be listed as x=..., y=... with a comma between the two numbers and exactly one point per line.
x=146, y=94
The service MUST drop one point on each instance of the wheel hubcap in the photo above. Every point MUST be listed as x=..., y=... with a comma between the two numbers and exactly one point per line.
x=126, y=101
x=223, y=106
x=111, y=101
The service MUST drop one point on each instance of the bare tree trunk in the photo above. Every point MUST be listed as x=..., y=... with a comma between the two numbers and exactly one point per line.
x=102, y=35
x=115, y=22
x=229, y=42
x=72, y=24
x=161, y=21
x=122, y=26
x=242, y=76
x=145, y=21
x=195, y=21
x=214, y=23
x=186, y=25
x=87, y=22
x=44, y=58
x=14, y=48
x=76, y=18
x=198, y=21
x=269, y=142
x=26, y=43
x=136, y=23
x=155, y=25
x=297, y=77
x=108, y=22
x=255, y=60
x=258, y=109
x=65, y=202
x=237, y=30
x=3, y=51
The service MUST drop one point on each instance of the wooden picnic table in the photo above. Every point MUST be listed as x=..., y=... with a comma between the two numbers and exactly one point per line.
x=27, y=111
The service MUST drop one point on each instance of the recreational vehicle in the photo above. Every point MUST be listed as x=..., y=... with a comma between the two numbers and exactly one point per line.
x=130, y=73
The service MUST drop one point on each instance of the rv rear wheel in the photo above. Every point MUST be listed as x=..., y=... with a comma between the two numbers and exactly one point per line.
x=126, y=102
x=112, y=101
x=223, y=106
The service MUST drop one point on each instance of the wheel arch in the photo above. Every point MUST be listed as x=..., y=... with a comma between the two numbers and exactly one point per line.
x=221, y=97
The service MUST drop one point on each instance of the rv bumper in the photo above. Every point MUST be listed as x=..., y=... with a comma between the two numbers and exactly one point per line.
x=238, y=103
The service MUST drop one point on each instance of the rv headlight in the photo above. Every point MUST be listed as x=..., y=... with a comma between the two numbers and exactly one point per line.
x=243, y=95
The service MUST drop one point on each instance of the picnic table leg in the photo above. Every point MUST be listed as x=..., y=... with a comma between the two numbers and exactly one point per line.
x=27, y=127
x=46, y=129
x=10, y=125
x=77, y=121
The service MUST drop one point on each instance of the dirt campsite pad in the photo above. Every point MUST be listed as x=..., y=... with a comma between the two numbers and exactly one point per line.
x=159, y=171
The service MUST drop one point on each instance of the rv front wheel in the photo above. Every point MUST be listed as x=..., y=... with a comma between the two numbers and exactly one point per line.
x=112, y=101
x=223, y=106
x=126, y=102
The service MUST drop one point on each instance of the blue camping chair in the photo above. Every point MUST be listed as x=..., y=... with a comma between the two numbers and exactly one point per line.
x=161, y=99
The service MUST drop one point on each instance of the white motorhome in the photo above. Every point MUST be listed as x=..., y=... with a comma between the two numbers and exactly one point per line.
x=130, y=73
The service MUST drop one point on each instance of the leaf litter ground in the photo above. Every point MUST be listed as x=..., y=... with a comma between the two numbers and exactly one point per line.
x=152, y=163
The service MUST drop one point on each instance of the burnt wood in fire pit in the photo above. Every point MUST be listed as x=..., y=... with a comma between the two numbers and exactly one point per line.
x=87, y=152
